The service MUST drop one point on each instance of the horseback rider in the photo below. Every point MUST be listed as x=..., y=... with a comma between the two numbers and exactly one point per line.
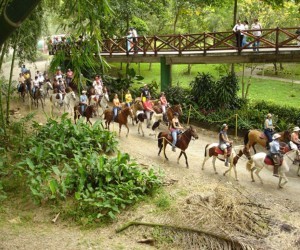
x=295, y=142
x=268, y=129
x=83, y=101
x=176, y=129
x=36, y=85
x=128, y=98
x=275, y=153
x=224, y=142
x=116, y=106
x=164, y=103
x=61, y=91
x=145, y=93
x=148, y=109
x=98, y=86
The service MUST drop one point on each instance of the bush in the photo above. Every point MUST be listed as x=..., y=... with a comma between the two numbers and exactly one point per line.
x=65, y=159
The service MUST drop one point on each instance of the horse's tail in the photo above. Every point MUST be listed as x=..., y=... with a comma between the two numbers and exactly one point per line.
x=205, y=151
x=246, y=138
x=249, y=164
x=159, y=141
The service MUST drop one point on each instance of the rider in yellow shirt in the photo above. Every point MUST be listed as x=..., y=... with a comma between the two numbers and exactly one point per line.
x=128, y=98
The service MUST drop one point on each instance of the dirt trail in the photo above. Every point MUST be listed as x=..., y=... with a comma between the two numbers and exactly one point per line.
x=22, y=230
x=26, y=227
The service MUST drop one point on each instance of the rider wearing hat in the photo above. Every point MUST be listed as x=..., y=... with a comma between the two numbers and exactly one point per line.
x=83, y=101
x=148, y=109
x=275, y=153
x=224, y=142
x=268, y=129
x=295, y=142
x=175, y=129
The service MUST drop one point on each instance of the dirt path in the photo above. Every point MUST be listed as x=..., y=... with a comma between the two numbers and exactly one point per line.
x=24, y=229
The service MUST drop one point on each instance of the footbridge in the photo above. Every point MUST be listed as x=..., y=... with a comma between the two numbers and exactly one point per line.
x=274, y=45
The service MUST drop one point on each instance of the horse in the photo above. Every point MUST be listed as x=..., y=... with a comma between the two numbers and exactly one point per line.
x=171, y=110
x=36, y=96
x=136, y=106
x=182, y=143
x=95, y=100
x=104, y=100
x=121, y=118
x=260, y=160
x=88, y=113
x=22, y=89
x=69, y=101
x=213, y=150
x=46, y=87
x=254, y=136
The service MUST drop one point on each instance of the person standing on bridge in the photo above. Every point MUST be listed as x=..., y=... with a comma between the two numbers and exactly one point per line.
x=238, y=29
x=256, y=26
x=134, y=39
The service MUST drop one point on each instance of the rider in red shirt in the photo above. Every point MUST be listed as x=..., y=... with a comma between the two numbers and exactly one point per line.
x=148, y=109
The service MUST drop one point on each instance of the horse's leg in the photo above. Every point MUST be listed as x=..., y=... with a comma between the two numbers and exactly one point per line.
x=128, y=130
x=179, y=157
x=214, y=163
x=186, y=160
x=282, y=176
x=203, y=163
x=298, y=173
x=164, y=146
x=120, y=125
x=257, y=174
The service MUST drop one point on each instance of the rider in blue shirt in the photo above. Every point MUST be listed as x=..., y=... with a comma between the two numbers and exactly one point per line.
x=275, y=153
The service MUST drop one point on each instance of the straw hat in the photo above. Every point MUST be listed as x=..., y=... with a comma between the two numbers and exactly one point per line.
x=296, y=129
x=276, y=136
x=83, y=91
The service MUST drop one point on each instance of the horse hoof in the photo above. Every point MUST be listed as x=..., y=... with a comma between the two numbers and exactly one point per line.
x=236, y=179
x=216, y=172
x=253, y=181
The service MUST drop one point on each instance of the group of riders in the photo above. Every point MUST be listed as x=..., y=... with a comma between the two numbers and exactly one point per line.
x=60, y=82
x=274, y=147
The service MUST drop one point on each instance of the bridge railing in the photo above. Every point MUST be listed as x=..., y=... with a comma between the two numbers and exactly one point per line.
x=274, y=39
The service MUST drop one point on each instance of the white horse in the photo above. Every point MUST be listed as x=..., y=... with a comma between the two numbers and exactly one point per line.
x=46, y=87
x=257, y=163
x=212, y=150
x=104, y=101
x=69, y=102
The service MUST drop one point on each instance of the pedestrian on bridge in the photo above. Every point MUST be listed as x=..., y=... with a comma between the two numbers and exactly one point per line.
x=256, y=26
x=238, y=29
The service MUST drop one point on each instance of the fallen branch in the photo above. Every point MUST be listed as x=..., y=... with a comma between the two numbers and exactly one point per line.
x=56, y=217
x=211, y=234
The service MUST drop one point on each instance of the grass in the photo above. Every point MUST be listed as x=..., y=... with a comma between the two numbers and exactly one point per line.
x=289, y=71
x=282, y=93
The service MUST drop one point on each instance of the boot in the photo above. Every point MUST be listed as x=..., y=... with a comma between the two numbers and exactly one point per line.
x=226, y=162
x=173, y=148
x=275, y=171
x=268, y=145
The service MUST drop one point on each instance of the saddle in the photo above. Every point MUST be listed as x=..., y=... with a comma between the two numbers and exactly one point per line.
x=221, y=152
x=269, y=160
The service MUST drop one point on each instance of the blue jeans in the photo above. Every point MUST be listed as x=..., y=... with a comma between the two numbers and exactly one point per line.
x=256, y=45
x=115, y=110
x=83, y=108
x=268, y=133
x=175, y=132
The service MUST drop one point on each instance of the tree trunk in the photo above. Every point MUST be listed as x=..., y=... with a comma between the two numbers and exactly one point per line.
x=2, y=121
x=275, y=68
x=243, y=82
x=234, y=12
x=281, y=66
x=150, y=66
x=10, y=80
x=189, y=69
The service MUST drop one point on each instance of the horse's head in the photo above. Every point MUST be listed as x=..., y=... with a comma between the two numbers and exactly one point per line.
x=178, y=109
x=193, y=132
x=73, y=95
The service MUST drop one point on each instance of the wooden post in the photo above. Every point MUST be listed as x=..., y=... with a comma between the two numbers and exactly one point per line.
x=188, y=121
x=236, y=124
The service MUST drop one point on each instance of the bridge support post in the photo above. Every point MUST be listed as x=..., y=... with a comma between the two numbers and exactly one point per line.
x=165, y=74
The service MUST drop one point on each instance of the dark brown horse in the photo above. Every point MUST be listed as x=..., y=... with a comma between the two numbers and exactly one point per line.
x=255, y=136
x=37, y=96
x=22, y=90
x=88, y=113
x=121, y=118
x=171, y=110
x=165, y=138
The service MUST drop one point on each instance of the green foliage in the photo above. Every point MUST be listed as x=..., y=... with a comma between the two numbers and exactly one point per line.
x=65, y=159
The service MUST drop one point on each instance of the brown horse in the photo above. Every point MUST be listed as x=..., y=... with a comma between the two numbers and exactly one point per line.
x=171, y=110
x=136, y=106
x=183, y=141
x=121, y=118
x=255, y=136
x=22, y=90
x=88, y=113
